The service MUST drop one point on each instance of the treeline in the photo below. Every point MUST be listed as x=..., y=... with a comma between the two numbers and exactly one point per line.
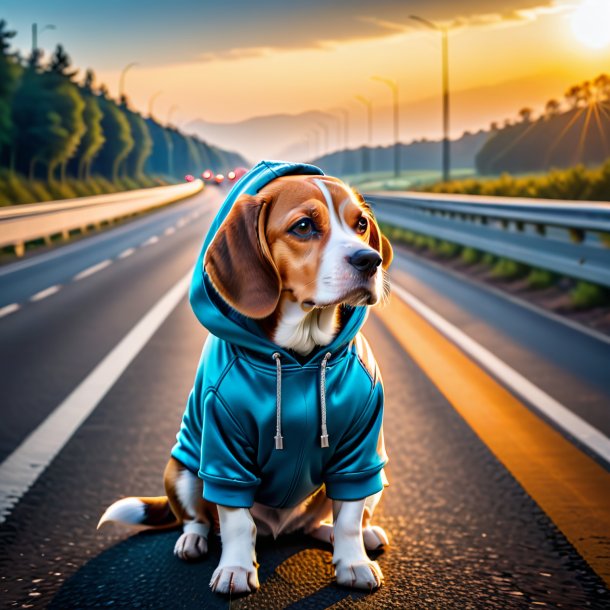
x=64, y=138
x=574, y=130
x=421, y=154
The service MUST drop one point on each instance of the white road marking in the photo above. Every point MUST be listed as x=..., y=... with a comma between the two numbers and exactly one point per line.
x=169, y=231
x=28, y=461
x=150, y=241
x=91, y=270
x=560, y=415
x=7, y=309
x=126, y=253
x=181, y=222
x=47, y=292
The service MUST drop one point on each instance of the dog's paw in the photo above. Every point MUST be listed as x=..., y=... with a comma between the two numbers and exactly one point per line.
x=191, y=547
x=375, y=538
x=234, y=580
x=359, y=575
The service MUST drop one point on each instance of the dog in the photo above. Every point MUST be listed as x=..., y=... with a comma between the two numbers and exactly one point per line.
x=283, y=284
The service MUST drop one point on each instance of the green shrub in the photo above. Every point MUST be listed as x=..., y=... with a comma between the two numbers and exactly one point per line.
x=540, y=278
x=470, y=256
x=586, y=295
x=508, y=269
x=447, y=249
x=488, y=259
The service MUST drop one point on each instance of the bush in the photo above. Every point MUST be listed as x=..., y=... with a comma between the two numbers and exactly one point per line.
x=586, y=295
x=470, y=256
x=541, y=278
x=577, y=182
x=508, y=269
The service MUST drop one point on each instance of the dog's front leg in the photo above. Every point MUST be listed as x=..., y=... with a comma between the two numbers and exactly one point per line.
x=353, y=567
x=237, y=571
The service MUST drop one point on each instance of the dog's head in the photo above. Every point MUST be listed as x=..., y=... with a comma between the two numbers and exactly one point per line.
x=311, y=237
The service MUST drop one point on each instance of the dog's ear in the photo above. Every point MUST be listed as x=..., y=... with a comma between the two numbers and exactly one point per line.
x=382, y=244
x=238, y=260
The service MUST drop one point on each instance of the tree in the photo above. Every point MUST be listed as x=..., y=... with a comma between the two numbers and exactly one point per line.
x=10, y=72
x=525, y=114
x=119, y=140
x=69, y=104
x=573, y=96
x=93, y=139
x=551, y=108
x=135, y=161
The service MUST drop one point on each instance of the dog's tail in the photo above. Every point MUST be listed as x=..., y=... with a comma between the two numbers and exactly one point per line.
x=143, y=513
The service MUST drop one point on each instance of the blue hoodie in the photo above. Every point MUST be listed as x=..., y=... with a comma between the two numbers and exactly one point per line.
x=255, y=420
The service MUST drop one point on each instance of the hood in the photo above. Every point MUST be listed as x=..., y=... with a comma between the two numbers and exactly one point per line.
x=226, y=323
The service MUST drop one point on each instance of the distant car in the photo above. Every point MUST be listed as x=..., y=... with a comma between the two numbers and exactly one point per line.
x=208, y=174
x=219, y=178
x=189, y=178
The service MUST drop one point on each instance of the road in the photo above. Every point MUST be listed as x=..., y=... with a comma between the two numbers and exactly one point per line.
x=476, y=520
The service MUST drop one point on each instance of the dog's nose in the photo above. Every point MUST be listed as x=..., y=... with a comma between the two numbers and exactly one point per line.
x=365, y=261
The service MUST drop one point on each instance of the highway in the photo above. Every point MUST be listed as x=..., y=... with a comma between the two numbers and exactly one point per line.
x=491, y=504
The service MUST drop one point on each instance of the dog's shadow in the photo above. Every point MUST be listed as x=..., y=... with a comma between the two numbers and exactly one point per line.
x=142, y=572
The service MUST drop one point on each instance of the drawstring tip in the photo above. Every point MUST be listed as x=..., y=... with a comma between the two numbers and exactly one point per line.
x=279, y=442
x=324, y=441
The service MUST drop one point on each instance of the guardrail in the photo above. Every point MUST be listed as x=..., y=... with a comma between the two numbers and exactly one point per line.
x=23, y=223
x=570, y=238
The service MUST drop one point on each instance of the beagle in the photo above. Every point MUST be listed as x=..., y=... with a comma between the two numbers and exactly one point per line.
x=294, y=261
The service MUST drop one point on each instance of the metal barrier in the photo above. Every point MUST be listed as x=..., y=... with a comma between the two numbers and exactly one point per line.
x=20, y=224
x=570, y=238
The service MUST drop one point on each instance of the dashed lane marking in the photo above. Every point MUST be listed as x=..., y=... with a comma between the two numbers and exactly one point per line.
x=169, y=231
x=93, y=269
x=126, y=253
x=150, y=241
x=28, y=461
x=47, y=292
x=571, y=487
x=8, y=309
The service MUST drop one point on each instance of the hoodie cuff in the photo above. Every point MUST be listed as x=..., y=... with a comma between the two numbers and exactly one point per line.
x=236, y=494
x=354, y=487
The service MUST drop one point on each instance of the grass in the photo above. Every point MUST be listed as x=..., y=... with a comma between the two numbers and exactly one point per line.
x=408, y=179
x=16, y=189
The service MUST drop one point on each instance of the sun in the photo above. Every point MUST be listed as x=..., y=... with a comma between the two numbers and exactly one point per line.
x=591, y=23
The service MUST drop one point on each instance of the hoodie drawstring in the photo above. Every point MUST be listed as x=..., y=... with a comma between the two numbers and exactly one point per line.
x=323, y=430
x=279, y=439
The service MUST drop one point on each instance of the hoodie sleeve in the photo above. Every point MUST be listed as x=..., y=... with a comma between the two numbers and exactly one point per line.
x=356, y=470
x=228, y=461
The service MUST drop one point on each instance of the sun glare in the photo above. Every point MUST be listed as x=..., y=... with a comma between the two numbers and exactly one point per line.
x=591, y=23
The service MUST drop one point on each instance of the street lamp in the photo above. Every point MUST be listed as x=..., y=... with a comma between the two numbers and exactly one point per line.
x=393, y=85
x=170, y=112
x=35, y=35
x=122, y=78
x=345, y=139
x=445, y=77
x=366, y=151
x=151, y=102
x=324, y=128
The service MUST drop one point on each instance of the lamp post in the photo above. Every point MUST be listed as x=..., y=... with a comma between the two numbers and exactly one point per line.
x=366, y=151
x=324, y=128
x=151, y=102
x=393, y=85
x=122, y=78
x=50, y=26
x=344, y=144
x=444, y=31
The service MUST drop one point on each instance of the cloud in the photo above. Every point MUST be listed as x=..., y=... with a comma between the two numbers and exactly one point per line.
x=325, y=27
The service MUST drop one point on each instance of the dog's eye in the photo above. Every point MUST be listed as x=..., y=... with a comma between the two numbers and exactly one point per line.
x=362, y=225
x=303, y=228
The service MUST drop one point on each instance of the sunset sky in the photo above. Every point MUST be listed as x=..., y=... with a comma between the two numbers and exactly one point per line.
x=228, y=61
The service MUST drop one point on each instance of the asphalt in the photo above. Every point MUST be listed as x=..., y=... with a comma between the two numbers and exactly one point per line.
x=464, y=533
